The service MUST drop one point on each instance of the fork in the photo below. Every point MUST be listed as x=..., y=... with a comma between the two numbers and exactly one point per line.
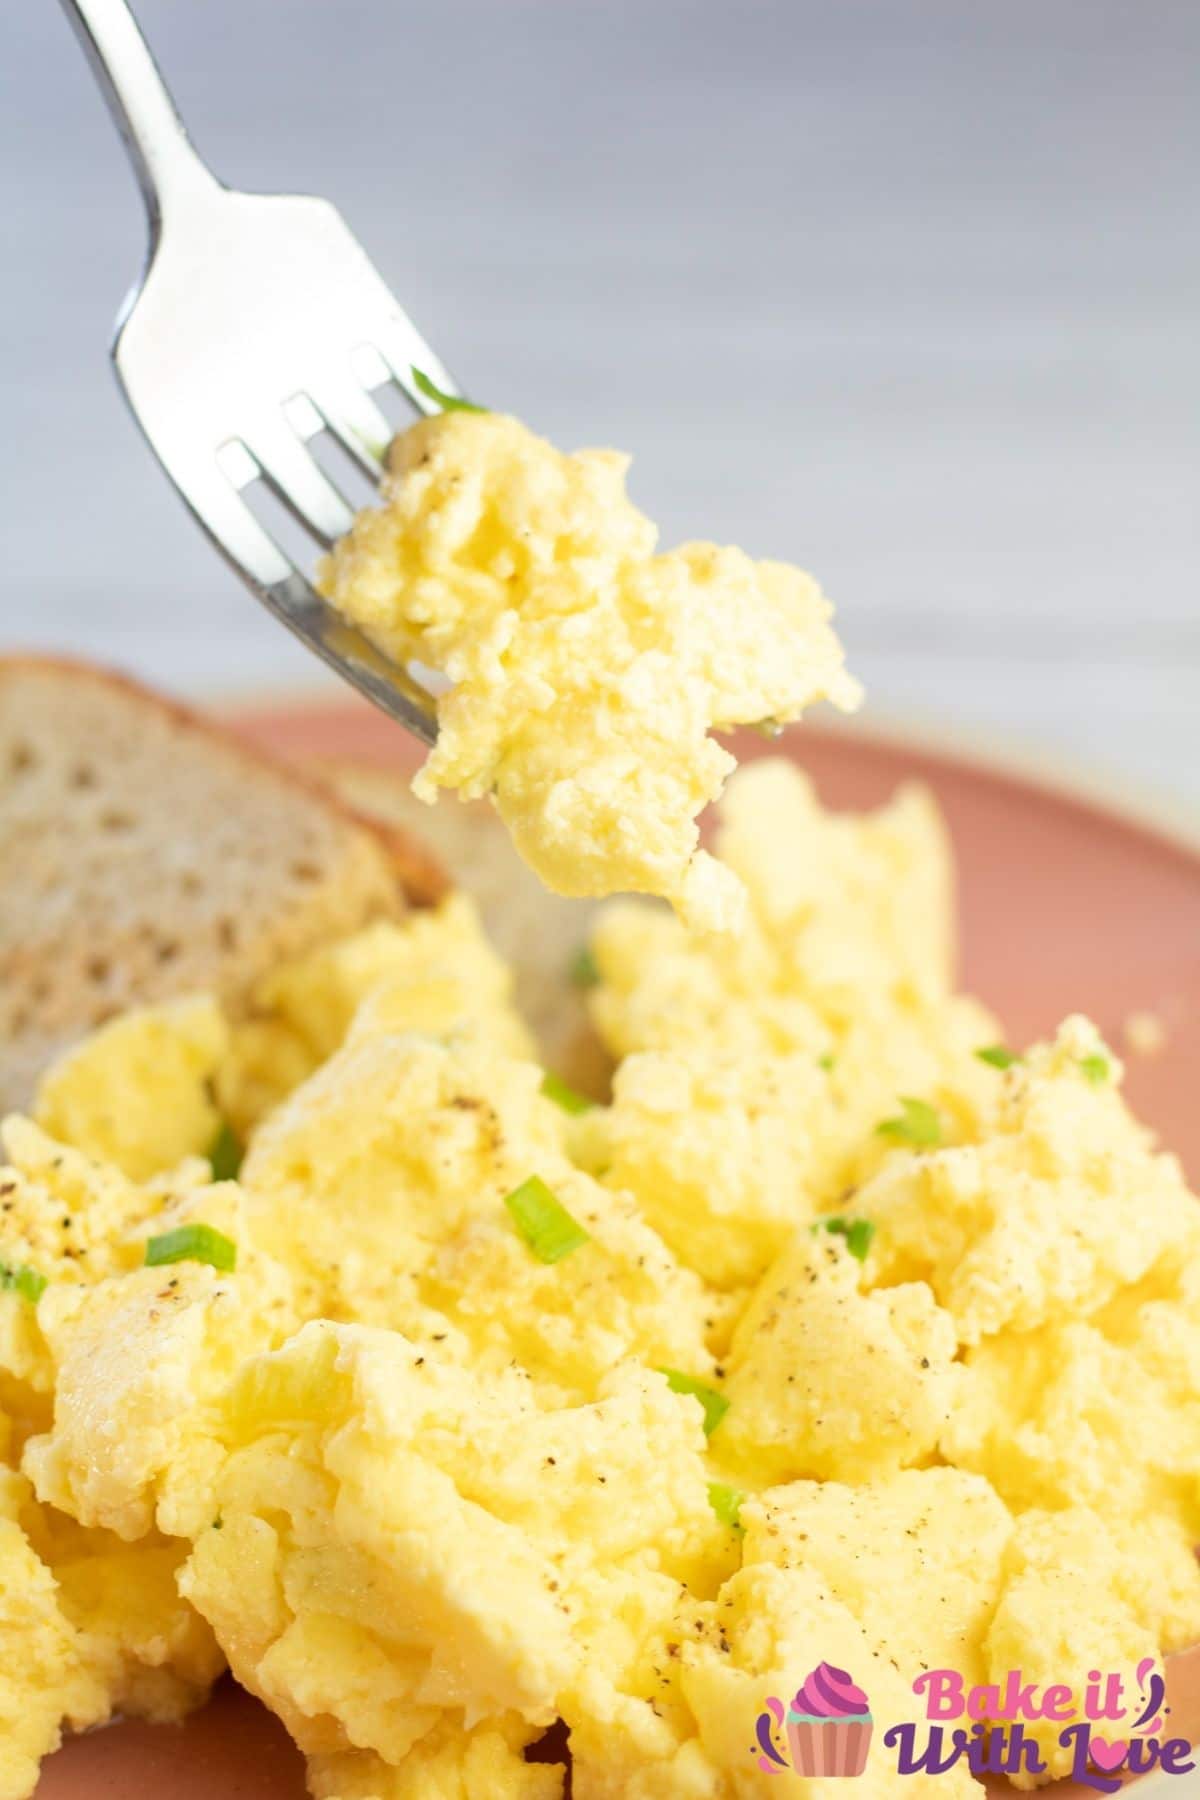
x=258, y=322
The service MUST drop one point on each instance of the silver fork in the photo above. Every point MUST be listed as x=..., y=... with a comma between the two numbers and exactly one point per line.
x=251, y=330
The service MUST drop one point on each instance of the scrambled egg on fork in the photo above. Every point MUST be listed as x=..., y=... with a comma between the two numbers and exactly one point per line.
x=587, y=668
x=464, y=1407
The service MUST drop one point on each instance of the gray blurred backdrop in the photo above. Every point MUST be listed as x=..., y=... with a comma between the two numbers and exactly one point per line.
x=905, y=290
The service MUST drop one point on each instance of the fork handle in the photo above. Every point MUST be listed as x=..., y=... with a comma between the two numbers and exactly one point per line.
x=153, y=133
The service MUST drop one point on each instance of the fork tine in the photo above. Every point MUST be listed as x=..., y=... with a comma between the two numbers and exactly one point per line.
x=348, y=650
x=217, y=503
x=291, y=471
x=353, y=418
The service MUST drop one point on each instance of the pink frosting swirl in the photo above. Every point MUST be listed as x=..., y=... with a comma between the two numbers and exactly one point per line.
x=829, y=1693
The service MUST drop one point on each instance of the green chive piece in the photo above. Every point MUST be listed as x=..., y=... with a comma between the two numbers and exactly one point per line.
x=192, y=1243
x=715, y=1405
x=825, y=1062
x=726, y=1502
x=918, y=1123
x=29, y=1284
x=564, y=1095
x=585, y=971
x=857, y=1233
x=23, y=1280
x=447, y=402
x=225, y=1155
x=1096, y=1068
x=998, y=1056
x=543, y=1221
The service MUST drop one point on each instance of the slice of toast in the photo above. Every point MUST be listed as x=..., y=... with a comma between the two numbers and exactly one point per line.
x=145, y=853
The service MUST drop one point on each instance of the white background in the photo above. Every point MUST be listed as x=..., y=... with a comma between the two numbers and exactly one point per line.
x=905, y=290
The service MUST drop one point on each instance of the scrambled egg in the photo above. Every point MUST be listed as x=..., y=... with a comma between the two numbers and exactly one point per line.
x=462, y=1415
x=1138, y=1590
x=848, y=913
x=436, y=973
x=405, y=1546
x=826, y=1380
x=1062, y=1201
x=1104, y=1410
x=140, y=1093
x=838, y=993
x=448, y=1763
x=89, y=1627
x=727, y=1193
x=43, y=1681
x=148, y=1352
x=587, y=670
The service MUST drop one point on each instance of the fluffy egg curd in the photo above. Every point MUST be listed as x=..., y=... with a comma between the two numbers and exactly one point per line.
x=341, y=1344
x=587, y=669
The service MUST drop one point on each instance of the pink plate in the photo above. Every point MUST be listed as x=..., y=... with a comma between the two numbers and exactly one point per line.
x=1064, y=907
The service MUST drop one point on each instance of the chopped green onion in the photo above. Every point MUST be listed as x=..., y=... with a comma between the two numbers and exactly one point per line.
x=825, y=1062
x=225, y=1155
x=918, y=1123
x=564, y=1095
x=1096, y=1068
x=543, y=1221
x=24, y=1281
x=715, y=1405
x=768, y=728
x=998, y=1056
x=29, y=1284
x=218, y=1523
x=447, y=402
x=857, y=1233
x=585, y=972
x=192, y=1243
x=726, y=1502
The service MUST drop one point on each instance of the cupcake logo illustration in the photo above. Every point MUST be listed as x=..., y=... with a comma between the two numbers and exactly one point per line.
x=825, y=1731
